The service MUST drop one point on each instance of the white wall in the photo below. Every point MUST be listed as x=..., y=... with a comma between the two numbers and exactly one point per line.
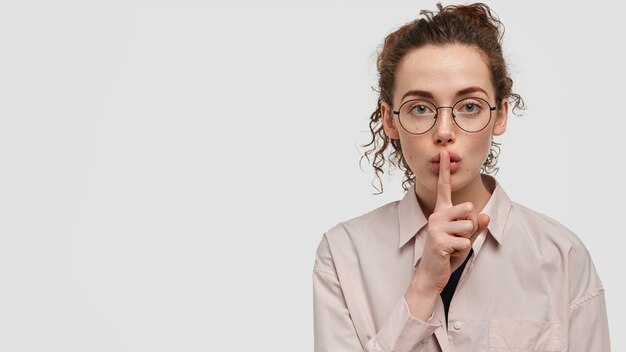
x=168, y=169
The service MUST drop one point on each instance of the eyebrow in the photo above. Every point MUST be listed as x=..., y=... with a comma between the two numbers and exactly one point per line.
x=427, y=94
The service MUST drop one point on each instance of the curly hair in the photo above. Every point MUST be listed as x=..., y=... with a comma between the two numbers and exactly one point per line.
x=472, y=25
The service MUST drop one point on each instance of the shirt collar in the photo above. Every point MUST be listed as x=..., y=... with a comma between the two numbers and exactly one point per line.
x=412, y=219
x=410, y=216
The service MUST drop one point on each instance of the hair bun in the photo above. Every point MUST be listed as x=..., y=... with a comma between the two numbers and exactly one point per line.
x=477, y=15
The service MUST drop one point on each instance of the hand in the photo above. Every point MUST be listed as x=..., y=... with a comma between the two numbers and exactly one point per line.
x=450, y=233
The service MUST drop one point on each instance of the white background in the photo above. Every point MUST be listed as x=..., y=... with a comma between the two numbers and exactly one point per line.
x=167, y=170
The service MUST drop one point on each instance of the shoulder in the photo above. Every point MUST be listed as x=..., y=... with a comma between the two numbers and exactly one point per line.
x=542, y=228
x=349, y=236
x=552, y=239
x=383, y=217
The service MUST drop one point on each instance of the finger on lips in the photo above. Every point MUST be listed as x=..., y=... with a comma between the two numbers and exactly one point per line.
x=444, y=187
x=463, y=220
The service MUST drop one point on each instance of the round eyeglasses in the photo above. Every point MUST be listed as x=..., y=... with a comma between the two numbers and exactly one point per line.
x=419, y=116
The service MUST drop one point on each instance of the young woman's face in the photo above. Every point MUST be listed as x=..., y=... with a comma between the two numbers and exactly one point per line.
x=444, y=75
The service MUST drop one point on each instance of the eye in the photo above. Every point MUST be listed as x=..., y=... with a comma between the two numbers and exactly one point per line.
x=470, y=107
x=420, y=109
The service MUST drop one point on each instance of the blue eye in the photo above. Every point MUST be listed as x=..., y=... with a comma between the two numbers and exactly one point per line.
x=470, y=107
x=420, y=109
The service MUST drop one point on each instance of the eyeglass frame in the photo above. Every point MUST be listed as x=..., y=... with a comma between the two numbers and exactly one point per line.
x=491, y=108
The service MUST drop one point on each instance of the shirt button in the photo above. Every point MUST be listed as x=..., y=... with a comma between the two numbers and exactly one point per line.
x=458, y=325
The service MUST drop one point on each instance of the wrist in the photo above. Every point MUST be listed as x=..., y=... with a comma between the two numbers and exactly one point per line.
x=420, y=307
x=422, y=287
x=421, y=300
x=415, y=293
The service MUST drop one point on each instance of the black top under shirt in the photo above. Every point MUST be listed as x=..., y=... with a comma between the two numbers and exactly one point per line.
x=448, y=291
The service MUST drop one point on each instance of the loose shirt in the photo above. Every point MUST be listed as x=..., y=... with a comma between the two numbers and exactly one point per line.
x=530, y=285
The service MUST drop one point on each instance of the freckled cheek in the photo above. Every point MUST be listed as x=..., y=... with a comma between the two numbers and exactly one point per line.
x=477, y=154
x=412, y=159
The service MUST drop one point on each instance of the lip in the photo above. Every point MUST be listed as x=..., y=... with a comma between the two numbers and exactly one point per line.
x=455, y=161
x=454, y=157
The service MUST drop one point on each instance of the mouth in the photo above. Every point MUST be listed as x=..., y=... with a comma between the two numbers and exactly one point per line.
x=455, y=161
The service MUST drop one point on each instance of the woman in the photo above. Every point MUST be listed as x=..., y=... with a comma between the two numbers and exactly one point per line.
x=455, y=265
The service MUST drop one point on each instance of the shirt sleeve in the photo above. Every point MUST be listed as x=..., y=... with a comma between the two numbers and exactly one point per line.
x=588, y=322
x=334, y=329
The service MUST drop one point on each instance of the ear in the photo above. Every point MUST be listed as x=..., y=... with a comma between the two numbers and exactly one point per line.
x=501, y=118
x=389, y=124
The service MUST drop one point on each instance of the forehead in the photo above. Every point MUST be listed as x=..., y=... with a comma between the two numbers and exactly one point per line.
x=442, y=71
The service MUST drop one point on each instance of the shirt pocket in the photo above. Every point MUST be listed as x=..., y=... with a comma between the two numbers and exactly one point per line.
x=508, y=335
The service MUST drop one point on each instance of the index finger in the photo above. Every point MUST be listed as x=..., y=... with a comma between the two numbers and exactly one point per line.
x=444, y=187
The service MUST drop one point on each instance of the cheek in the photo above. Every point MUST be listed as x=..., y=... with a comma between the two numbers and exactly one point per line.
x=484, y=151
x=480, y=148
x=410, y=151
x=410, y=158
x=407, y=146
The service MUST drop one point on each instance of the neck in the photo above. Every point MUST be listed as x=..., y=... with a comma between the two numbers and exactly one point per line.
x=476, y=192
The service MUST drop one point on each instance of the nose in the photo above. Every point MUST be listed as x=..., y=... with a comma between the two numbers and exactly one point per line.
x=444, y=128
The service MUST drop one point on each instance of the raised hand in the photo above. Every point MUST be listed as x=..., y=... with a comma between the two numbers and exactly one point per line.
x=451, y=231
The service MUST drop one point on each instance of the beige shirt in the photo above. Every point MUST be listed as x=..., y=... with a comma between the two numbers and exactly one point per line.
x=529, y=286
